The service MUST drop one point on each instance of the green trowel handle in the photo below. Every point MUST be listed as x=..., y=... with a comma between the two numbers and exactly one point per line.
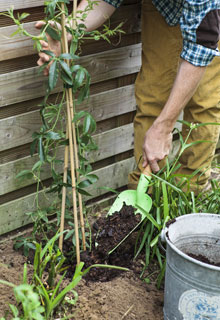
x=144, y=181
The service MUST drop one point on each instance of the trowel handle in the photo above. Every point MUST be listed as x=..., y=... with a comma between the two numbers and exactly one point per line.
x=147, y=171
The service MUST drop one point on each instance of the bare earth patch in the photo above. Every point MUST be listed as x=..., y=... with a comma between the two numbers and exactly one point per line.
x=125, y=297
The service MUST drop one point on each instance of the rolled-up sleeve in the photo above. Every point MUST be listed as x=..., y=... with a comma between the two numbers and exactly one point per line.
x=200, y=26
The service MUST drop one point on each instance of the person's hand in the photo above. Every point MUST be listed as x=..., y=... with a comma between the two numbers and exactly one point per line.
x=50, y=45
x=157, y=144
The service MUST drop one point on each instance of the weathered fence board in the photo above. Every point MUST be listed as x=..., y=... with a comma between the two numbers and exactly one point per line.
x=110, y=143
x=28, y=84
x=20, y=4
x=20, y=46
x=16, y=131
x=12, y=214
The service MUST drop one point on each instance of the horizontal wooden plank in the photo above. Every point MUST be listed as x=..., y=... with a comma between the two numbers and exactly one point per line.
x=16, y=131
x=20, y=46
x=110, y=143
x=17, y=46
x=12, y=214
x=28, y=84
x=20, y=4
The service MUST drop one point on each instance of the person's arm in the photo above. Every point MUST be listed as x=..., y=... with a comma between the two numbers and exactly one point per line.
x=95, y=18
x=158, y=138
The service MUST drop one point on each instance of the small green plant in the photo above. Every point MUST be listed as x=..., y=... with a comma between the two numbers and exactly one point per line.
x=169, y=202
x=29, y=300
x=26, y=243
x=47, y=294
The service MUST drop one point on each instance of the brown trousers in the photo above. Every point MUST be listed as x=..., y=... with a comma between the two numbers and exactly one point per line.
x=161, y=48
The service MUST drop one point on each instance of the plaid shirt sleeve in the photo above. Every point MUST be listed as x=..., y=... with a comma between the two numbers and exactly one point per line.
x=114, y=3
x=192, y=15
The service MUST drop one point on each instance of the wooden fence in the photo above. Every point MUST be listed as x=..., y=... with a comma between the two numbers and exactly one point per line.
x=113, y=68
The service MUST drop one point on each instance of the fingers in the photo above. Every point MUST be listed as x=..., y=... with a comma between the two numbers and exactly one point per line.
x=154, y=166
x=145, y=162
x=39, y=24
x=44, y=57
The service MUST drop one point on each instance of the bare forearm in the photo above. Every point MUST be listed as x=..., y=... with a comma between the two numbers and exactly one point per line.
x=95, y=18
x=158, y=139
x=186, y=83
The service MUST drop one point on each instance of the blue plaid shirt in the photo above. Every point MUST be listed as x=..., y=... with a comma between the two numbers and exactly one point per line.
x=188, y=14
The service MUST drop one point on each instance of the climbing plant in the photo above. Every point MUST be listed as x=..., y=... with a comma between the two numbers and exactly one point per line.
x=75, y=135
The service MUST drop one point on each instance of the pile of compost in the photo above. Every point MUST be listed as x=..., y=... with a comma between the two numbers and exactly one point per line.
x=107, y=233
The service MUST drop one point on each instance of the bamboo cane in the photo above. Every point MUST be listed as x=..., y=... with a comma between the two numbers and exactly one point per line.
x=78, y=177
x=71, y=148
x=63, y=205
x=82, y=223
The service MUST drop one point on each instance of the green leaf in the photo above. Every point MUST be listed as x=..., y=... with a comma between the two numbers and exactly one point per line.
x=49, y=53
x=83, y=94
x=6, y=283
x=37, y=165
x=25, y=174
x=84, y=184
x=73, y=46
x=86, y=124
x=53, y=135
x=92, y=178
x=53, y=75
x=75, y=68
x=53, y=33
x=40, y=149
x=83, y=192
x=33, y=146
x=66, y=79
x=14, y=311
x=165, y=201
x=79, y=115
x=80, y=75
x=68, y=56
x=196, y=142
x=66, y=68
x=109, y=190
x=23, y=16
x=15, y=33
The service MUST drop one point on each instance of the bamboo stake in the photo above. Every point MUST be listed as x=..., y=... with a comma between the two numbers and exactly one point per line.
x=82, y=223
x=71, y=148
x=65, y=171
x=76, y=162
x=63, y=205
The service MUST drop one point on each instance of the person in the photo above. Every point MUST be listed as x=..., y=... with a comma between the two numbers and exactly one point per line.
x=180, y=71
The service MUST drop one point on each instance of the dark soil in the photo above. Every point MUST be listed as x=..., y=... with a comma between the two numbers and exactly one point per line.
x=106, y=235
x=171, y=221
x=105, y=294
x=202, y=258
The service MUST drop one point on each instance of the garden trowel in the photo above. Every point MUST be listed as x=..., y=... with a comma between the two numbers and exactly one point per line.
x=136, y=198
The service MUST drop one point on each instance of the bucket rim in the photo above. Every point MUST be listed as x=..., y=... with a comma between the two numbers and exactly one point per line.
x=184, y=255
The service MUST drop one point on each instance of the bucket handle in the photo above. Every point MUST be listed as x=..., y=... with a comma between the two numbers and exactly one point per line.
x=161, y=240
